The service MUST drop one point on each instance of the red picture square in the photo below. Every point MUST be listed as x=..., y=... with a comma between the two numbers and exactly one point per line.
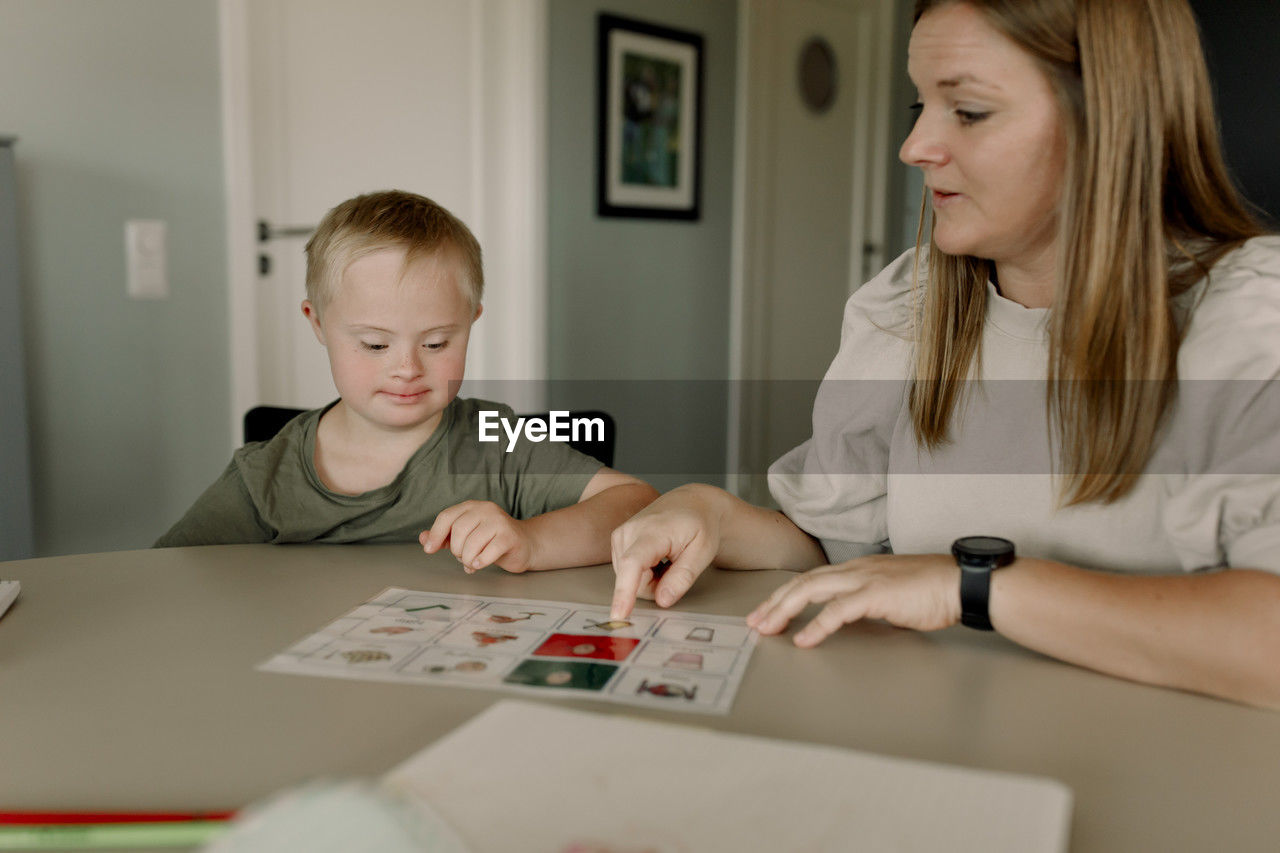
x=582, y=646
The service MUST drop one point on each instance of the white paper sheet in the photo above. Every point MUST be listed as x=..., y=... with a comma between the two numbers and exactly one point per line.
x=525, y=776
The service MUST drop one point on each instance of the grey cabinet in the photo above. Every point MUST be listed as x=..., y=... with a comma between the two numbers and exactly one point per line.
x=16, y=537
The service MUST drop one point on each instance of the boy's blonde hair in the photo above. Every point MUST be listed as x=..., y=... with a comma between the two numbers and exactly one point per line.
x=386, y=220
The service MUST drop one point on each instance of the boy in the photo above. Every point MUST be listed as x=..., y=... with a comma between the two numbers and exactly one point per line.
x=394, y=282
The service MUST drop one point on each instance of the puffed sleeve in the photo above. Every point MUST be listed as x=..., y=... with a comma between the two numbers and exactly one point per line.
x=1225, y=509
x=834, y=485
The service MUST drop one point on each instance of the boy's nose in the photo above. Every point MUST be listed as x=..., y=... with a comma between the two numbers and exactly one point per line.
x=408, y=365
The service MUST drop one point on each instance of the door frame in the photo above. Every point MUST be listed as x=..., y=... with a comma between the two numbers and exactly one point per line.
x=508, y=80
x=753, y=208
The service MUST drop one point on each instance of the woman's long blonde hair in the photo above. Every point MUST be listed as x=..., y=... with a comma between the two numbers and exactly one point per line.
x=1147, y=209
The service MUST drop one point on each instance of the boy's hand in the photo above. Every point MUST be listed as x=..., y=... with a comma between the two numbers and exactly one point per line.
x=480, y=533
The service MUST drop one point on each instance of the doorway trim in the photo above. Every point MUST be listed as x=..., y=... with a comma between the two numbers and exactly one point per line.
x=758, y=67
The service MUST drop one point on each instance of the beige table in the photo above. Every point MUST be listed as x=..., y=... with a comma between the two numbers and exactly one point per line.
x=127, y=681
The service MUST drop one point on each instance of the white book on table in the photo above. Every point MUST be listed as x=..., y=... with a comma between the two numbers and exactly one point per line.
x=525, y=776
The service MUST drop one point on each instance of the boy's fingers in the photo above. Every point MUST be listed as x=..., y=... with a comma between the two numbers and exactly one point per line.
x=478, y=538
x=463, y=529
x=492, y=553
x=439, y=531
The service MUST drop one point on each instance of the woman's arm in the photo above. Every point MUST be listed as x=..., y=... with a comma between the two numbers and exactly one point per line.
x=694, y=527
x=1215, y=633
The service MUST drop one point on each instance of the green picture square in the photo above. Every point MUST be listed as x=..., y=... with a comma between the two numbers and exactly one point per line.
x=576, y=675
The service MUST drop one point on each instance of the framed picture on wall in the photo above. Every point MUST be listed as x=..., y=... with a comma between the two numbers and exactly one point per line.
x=649, y=146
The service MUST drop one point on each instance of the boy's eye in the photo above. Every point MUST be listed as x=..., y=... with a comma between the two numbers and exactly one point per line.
x=373, y=347
x=437, y=345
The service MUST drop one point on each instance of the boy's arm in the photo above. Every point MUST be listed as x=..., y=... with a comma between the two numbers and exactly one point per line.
x=223, y=515
x=481, y=533
x=578, y=535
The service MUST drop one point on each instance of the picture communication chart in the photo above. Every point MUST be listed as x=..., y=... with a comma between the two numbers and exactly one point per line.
x=680, y=661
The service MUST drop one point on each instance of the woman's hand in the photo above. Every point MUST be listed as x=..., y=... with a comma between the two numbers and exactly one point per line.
x=920, y=591
x=682, y=527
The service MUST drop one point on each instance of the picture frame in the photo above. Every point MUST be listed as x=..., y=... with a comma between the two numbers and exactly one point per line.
x=649, y=120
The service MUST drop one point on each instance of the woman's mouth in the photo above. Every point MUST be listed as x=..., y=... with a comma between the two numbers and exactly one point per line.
x=941, y=198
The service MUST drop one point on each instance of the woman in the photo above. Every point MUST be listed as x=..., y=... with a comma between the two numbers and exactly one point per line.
x=1082, y=362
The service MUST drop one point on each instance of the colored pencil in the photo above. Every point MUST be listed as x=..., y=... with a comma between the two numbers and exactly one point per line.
x=60, y=818
x=110, y=835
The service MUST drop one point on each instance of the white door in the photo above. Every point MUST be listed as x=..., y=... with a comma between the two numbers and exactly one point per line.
x=326, y=99
x=812, y=202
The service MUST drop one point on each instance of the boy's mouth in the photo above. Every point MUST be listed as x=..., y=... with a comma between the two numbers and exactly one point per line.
x=407, y=398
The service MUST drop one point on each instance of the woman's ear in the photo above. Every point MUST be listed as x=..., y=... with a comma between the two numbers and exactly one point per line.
x=479, y=311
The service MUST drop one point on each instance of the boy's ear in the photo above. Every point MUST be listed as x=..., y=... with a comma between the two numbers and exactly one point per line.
x=313, y=316
x=479, y=311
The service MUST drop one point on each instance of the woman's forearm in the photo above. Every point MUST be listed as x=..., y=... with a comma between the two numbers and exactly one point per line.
x=1213, y=632
x=753, y=537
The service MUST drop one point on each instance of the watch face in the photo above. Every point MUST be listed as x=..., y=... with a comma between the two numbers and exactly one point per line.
x=984, y=546
x=982, y=552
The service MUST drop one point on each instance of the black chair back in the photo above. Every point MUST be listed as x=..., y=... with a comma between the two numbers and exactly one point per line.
x=261, y=423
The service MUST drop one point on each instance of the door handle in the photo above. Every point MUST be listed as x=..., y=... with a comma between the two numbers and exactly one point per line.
x=267, y=231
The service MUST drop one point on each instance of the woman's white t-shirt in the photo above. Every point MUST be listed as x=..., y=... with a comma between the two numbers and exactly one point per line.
x=1209, y=497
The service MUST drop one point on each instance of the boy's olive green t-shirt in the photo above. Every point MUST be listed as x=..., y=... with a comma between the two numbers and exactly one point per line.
x=271, y=492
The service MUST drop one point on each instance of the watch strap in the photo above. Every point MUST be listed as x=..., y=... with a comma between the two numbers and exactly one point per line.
x=975, y=597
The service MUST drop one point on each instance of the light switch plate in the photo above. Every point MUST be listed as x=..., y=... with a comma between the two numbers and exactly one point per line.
x=147, y=258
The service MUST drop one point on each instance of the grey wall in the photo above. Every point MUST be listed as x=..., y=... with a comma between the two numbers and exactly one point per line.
x=635, y=299
x=116, y=107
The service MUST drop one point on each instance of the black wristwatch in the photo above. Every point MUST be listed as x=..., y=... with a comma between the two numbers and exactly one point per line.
x=978, y=557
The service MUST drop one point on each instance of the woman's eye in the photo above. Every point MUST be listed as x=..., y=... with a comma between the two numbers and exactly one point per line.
x=915, y=108
x=968, y=117
x=373, y=347
x=439, y=345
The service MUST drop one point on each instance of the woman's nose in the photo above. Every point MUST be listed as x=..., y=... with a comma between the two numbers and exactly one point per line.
x=922, y=146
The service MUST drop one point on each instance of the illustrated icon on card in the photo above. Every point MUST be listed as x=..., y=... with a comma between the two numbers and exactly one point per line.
x=525, y=615
x=464, y=666
x=668, y=691
x=608, y=625
x=486, y=638
x=685, y=660
x=365, y=656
